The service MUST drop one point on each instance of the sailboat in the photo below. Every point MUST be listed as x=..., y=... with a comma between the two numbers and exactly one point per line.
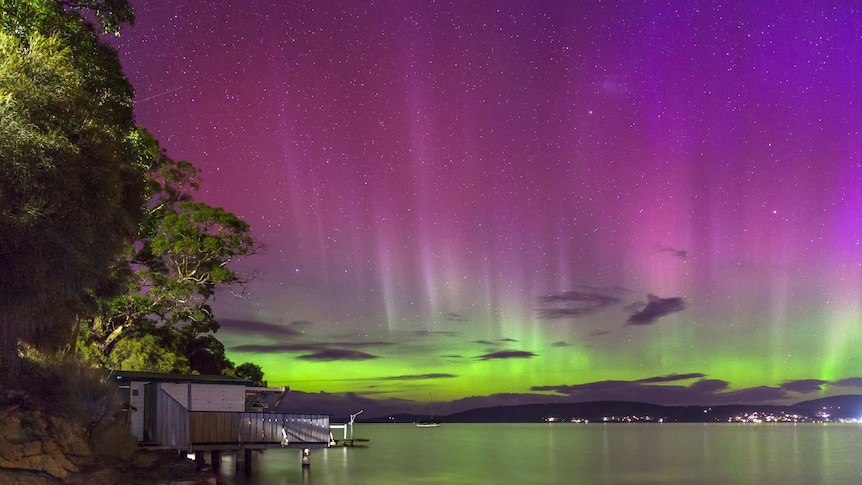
x=431, y=422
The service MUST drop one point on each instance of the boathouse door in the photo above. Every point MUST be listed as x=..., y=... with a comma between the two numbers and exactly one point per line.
x=151, y=414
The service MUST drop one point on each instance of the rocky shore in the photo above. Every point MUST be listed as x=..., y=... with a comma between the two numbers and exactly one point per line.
x=38, y=447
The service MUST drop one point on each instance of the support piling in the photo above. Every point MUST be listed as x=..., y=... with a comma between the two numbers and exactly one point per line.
x=247, y=459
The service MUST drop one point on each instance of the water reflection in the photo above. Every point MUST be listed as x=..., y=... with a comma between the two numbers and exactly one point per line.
x=568, y=453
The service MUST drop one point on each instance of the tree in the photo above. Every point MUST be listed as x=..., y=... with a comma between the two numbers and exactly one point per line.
x=205, y=354
x=95, y=219
x=251, y=372
x=146, y=353
x=112, y=14
x=171, y=273
x=71, y=170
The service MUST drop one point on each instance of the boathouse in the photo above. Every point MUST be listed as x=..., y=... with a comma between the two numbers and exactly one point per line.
x=197, y=413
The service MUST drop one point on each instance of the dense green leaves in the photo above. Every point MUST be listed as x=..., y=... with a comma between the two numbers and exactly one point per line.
x=96, y=221
x=71, y=178
x=180, y=258
x=146, y=353
x=98, y=63
x=251, y=372
x=112, y=14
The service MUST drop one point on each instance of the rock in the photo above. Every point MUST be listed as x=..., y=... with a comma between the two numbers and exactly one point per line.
x=31, y=448
x=114, y=441
x=10, y=426
x=40, y=424
x=44, y=463
x=143, y=459
x=38, y=448
x=70, y=437
x=102, y=476
x=10, y=452
x=51, y=449
x=8, y=477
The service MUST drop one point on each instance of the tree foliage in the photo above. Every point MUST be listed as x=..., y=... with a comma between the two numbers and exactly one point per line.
x=147, y=354
x=71, y=170
x=171, y=273
x=112, y=14
x=252, y=373
x=96, y=221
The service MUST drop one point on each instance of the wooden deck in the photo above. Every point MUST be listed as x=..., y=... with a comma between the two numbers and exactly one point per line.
x=215, y=430
x=351, y=442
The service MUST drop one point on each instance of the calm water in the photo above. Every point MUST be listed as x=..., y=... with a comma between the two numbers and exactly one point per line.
x=574, y=453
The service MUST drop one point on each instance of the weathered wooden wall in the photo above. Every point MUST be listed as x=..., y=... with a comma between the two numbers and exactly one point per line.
x=166, y=420
x=217, y=397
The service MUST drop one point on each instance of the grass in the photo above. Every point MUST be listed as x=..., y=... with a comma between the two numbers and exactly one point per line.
x=62, y=385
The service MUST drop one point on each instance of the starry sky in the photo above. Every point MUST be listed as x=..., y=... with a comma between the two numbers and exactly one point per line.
x=484, y=203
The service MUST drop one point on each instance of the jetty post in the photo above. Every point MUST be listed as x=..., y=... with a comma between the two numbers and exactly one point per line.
x=348, y=439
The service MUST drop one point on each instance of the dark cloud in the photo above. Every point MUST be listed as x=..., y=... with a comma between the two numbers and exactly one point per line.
x=561, y=343
x=254, y=327
x=451, y=356
x=494, y=400
x=656, y=308
x=804, y=386
x=359, y=345
x=708, y=386
x=275, y=348
x=456, y=317
x=418, y=377
x=331, y=355
x=761, y=394
x=315, y=347
x=679, y=253
x=577, y=303
x=484, y=342
x=507, y=354
x=600, y=333
x=635, y=306
x=672, y=378
x=366, y=381
x=849, y=382
x=339, y=406
x=701, y=392
x=301, y=323
x=507, y=340
x=572, y=389
x=431, y=333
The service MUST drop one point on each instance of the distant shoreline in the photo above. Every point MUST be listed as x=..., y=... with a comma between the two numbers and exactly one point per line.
x=827, y=410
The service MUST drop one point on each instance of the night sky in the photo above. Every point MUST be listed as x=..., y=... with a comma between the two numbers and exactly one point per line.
x=506, y=202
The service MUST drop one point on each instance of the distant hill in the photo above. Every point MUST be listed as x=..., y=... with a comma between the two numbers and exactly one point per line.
x=837, y=407
x=847, y=407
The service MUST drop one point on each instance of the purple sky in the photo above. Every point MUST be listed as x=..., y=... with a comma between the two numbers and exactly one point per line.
x=519, y=201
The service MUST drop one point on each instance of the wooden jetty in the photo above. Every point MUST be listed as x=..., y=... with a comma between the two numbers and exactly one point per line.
x=199, y=414
x=350, y=442
x=348, y=439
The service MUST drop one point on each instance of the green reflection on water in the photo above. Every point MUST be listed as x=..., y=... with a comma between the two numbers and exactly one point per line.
x=472, y=454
